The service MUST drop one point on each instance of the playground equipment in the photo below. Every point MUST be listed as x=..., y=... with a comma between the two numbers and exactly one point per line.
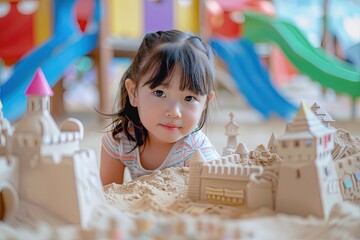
x=260, y=26
x=251, y=77
x=314, y=62
x=131, y=20
x=23, y=26
x=223, y=18
x=67, y=44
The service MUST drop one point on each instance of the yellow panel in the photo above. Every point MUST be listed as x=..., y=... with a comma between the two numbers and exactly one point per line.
x=187, y=15
x=43, y=20
x=126, y=18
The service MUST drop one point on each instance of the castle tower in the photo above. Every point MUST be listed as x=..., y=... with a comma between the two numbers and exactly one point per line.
x=53, y=175
x=231, y=131
x=272, y=144
x=242, y=150
x=38, y=119
x=5, y=130
x=8, y=175
x=197, y=162
x=307, y=179
x=36, y=126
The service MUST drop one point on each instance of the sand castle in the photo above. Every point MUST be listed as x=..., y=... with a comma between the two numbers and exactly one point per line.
x=43, y=165
x=307, y=181
x=45, y=176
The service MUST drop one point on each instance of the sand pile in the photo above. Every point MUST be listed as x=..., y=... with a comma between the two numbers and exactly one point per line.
x=154, y=192
x=345, y=143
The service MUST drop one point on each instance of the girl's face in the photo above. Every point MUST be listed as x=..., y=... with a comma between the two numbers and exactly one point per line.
x=167, y=113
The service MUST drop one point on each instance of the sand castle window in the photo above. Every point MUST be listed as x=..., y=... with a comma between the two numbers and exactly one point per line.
x=347, y=182
x=308, y=142
x=349, y=161
x=326, y=171
x=340, y=165
x=357, y=176
x=284, y=144
x=298, y=175
x=297, y=144
x=35, y=105
x=320, y=141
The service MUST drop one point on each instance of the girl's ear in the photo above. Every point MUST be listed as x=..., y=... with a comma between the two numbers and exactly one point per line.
x=210, y=98
x=131, y=89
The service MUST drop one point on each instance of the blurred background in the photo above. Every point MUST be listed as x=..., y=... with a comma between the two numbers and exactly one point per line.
x=271, y=55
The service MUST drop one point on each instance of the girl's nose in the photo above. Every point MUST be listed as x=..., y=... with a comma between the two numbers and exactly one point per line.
x=173, y=110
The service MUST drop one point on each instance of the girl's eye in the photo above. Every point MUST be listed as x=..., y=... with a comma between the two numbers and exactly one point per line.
x=159, y=93
x=190, y=98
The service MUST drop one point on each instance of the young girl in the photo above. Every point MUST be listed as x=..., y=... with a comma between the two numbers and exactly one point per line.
x=163, y=103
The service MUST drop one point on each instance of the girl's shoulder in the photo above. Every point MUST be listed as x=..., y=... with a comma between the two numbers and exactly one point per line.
x=195, y=139
x=119, y=138
x=118, y=145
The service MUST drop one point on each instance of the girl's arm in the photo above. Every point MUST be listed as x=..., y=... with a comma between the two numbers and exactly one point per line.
x=111, y=169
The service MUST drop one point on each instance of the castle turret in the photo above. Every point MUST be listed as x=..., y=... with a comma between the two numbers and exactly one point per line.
x=272, y=144
x=5, y=130
x=242, y=150
x=197, y=162
x=231, y=131
x=45, y=167
x=38, y=120
x=307, y=179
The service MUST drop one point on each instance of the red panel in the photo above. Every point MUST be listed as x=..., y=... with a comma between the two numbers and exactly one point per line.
x=218, y=15
x=84, y=11
x=17, y=35
x=228, y=28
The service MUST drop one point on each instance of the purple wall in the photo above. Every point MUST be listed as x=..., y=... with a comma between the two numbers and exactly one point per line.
x=158, y=15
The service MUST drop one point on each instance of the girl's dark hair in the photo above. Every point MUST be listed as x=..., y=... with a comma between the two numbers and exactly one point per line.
x=158, y=56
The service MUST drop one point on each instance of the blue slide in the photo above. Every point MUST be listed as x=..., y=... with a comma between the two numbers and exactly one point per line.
x=65, y=46
x=252, y=78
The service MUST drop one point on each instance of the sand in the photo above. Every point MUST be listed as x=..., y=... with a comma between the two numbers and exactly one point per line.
x=165, y=191
x=347, y=142
x=156, y=206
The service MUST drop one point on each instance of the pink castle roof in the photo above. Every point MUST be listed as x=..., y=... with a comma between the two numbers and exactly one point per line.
x=39, y=85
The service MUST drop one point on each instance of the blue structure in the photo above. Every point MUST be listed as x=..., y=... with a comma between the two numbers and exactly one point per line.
x=66, y=45
x=252, y=79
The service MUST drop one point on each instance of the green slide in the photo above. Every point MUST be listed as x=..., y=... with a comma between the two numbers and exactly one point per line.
x=320, y=66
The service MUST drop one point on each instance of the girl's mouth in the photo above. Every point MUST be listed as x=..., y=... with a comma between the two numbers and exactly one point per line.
x=170, y=127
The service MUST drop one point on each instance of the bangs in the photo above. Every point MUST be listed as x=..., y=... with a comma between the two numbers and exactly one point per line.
x=193, y=65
